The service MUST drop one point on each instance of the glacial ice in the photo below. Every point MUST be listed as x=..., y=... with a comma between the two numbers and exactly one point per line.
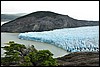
x=70, y=39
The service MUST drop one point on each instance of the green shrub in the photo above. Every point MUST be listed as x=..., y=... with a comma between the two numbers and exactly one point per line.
x=19, y=55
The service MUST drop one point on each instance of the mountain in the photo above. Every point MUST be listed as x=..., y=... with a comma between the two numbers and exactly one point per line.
x=44, y=21
x=7, y=17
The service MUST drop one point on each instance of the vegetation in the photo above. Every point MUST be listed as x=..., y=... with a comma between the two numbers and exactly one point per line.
x=20, y=55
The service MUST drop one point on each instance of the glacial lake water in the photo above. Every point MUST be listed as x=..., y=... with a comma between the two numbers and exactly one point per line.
x=6, y=37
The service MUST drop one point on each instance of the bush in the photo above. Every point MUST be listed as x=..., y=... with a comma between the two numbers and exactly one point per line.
x=19, y=55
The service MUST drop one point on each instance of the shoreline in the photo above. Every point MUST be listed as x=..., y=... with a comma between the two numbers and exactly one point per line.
x=58, y=52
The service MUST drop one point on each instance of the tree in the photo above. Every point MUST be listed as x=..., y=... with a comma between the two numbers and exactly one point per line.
x=19, y=55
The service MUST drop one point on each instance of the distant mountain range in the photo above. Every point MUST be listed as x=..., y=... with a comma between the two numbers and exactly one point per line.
x=8, y=17
x=44, y=21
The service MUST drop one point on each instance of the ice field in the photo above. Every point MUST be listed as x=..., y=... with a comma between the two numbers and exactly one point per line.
x=69, y=39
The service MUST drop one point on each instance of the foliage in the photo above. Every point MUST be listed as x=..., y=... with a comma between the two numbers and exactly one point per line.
x=19, y=55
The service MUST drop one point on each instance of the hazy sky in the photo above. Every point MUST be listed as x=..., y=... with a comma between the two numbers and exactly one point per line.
x=82, y=10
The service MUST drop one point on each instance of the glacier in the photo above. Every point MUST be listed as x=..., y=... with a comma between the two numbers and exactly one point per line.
x=79, y=39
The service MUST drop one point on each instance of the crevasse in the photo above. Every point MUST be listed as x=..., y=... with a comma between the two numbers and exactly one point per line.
x=70, y=39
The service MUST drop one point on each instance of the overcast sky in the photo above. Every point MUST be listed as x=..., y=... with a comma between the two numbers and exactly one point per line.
x=82, y=10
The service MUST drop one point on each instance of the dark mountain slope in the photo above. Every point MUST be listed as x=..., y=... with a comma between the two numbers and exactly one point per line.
x=43, y=21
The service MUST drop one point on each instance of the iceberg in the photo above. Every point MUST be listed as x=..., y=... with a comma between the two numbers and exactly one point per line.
x=69, y=39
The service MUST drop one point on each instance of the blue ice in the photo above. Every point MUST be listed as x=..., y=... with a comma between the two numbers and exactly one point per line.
x=69, y=39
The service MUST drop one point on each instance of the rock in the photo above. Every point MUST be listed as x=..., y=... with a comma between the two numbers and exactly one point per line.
x=43, y=21
x=79, y=59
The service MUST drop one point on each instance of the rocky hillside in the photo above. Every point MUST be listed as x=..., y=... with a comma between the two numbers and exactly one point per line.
x=80, y=59
x=43, y=21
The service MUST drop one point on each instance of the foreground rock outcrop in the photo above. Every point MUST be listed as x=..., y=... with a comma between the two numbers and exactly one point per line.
x=80, y=59
x=43, y=21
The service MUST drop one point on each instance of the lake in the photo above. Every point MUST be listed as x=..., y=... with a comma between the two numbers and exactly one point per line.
x=6, y=37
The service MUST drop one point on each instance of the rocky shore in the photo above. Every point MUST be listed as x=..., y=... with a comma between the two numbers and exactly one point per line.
x=79, y=59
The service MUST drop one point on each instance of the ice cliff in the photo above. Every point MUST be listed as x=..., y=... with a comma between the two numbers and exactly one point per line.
x=70, y=39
